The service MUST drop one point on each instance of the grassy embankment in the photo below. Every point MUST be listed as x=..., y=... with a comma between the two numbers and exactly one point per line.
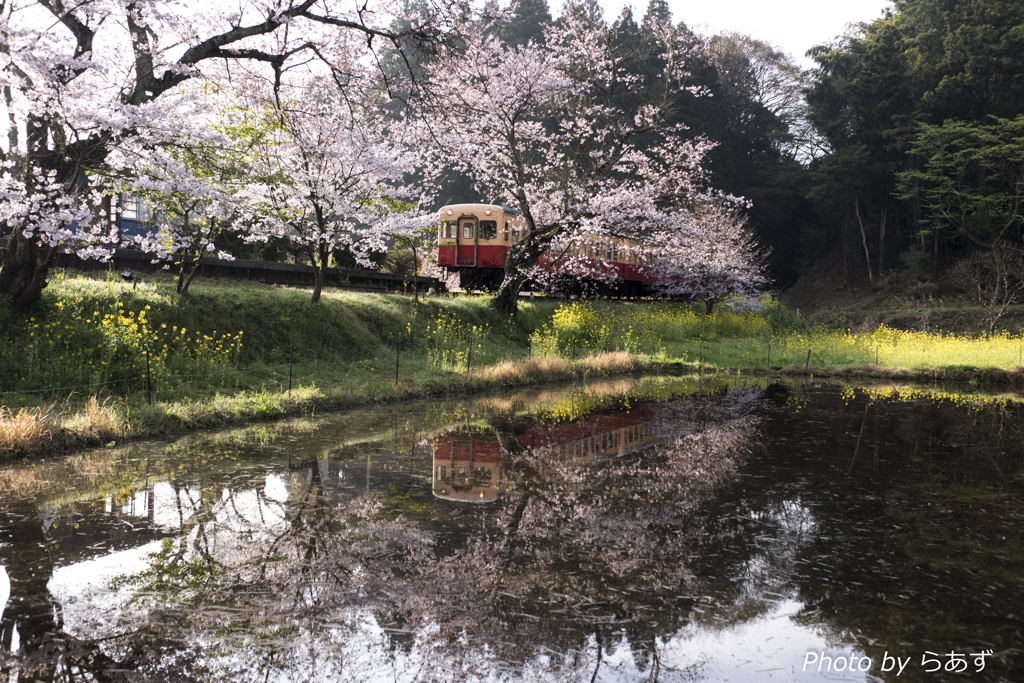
x=75, y=373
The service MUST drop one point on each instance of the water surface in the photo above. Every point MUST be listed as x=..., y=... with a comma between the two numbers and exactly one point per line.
x=660, y=530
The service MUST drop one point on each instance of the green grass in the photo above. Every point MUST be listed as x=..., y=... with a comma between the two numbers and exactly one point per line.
x=228, y=351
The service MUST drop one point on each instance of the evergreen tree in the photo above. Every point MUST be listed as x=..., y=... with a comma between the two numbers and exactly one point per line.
x=590, y=10
x=925, y=62
x=658, y=9
x=527, y=23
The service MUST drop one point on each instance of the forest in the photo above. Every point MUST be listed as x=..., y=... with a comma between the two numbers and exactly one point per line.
x=298, y=132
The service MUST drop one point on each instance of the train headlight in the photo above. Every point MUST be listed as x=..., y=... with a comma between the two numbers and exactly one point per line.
x=449, y=212
x=488, y=212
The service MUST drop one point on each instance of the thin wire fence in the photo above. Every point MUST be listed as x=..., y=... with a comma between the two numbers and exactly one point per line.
x=294, y=375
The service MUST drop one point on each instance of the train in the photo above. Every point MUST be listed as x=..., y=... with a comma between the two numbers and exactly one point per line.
x=473, y=240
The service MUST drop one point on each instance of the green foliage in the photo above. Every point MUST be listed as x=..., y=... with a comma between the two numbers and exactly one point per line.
x=648, y=328
x=89, y=342
x=971, y=177
x=879, y=95
x=526, y=24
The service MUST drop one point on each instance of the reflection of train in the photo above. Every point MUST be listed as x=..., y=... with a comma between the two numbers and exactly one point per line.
x=467, y=464
x=597, y=437
x=474, y=239
x=467, y=467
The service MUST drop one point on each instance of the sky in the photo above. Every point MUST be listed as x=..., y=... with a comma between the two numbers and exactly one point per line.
x=793, y=25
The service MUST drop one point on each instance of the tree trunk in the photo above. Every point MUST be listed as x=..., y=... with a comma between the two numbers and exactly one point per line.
x=520, y=257
x=863, y=237
x=189, y=268
x=319, y=284
x=319, y=269
x=881, y=242
x=507, y=298
x=709, y=306
x=23, y=276
x=191, y=276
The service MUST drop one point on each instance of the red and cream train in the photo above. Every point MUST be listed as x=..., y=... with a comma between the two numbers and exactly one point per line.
x=474, y=240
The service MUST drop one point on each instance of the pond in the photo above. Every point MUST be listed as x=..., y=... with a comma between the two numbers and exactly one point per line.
x=655, y=530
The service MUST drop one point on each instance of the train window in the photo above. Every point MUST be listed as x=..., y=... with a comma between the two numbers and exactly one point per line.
x=488, y=230
x=482, y=477
x=506, y=231
x=448, y=229
x=467, y=231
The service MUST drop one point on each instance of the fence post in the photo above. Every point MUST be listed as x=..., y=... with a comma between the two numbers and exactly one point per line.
x=149, y=383
x=398, y=353
x=808, y=364
x=469, y=360
x=291, y=362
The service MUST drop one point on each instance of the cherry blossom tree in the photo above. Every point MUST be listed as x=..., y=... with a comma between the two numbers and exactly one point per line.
x=79, y=80
x=716, y=257
x=191, y=194
x=327, y=171
x=555, y=131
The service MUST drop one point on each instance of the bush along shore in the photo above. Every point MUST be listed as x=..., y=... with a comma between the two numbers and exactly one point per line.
x=102, y=361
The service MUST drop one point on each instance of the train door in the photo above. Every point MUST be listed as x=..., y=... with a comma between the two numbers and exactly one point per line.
x=469, y=234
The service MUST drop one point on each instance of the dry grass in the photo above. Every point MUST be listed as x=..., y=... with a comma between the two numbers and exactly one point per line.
x=28, y=430
x=95, y=421
x=23, y=481
x=614, y=362
x=35, y=430
x=535, y=369
x=511, y=372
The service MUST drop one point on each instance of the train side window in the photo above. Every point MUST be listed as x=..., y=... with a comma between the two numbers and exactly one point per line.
x=448, y=229
x=488, y=230
x=506, y=231
x=467, y=231
x=483, y=477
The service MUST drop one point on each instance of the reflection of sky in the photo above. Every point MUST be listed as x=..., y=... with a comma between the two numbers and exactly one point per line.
x=772, y=644
x=5, y=590
x=772, y=647
x=5, y=595
x=83, y=589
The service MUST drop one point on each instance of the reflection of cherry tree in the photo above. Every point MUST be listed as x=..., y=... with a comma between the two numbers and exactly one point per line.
x=577, y=553
x=588, y=549
x=316, y=584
